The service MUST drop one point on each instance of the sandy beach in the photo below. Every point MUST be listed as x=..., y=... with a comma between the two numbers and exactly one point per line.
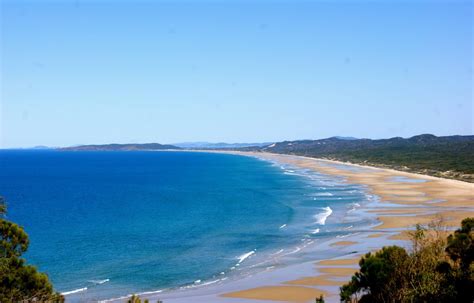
x=404, y=199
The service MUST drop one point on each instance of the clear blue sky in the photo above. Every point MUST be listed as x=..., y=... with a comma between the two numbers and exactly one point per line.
x=77, y=72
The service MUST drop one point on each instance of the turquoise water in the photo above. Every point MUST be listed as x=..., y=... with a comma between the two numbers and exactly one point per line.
x=107, y=224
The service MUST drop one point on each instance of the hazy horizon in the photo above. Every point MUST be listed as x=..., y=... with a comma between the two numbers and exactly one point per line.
x=207, y=142
x=97, y=72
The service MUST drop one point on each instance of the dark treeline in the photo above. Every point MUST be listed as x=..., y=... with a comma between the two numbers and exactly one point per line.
x=450, y=156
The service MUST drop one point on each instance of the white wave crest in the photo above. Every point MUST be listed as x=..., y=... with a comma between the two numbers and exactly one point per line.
x=283, y=226
x=324, y=194
x=277, y=253
x=74, y=291
x=321, y=217
x=151, y=292
x=297, y=249
x=315, y=231
x=98, y=282
x=245, y=256
x=354, y=207
x=211, y=282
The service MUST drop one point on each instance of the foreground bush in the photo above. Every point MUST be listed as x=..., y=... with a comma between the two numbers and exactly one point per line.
x=137, y=299
x=20, y=282
x=435, y=270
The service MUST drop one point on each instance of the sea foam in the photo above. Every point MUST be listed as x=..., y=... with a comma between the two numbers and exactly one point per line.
x=98, y=282
x=74, y=291
x=245, y=256
x=321, y=217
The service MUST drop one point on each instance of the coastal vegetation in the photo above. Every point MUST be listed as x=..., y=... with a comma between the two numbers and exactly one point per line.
x=137, y=299
x=449, y=157
x=435, y=269
x=20, y=282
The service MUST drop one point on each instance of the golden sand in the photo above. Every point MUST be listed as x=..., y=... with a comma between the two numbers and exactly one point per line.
x=401, y=236
x=316, y=281
x=338, y=262
x=451, y=218
x=375, y=235
x=401, y=221
x=399, y=211
x=343, y=243
x=338, y=271
x=278, y=293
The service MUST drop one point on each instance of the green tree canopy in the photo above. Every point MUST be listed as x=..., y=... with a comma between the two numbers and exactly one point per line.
x=20, y=282
x=461, y=244
x=460, y=271
x=379, y=276
x=435, y=270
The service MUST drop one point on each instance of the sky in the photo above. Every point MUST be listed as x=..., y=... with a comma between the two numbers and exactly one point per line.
x=92, y=72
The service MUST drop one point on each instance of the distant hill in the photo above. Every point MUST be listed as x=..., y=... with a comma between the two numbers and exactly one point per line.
x=41, y=147
x=121, y=147
x=449, y=156
x=345, y=138
x=220, y=145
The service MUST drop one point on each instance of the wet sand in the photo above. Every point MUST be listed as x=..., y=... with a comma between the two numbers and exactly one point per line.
x=375, y=235
x=279, y=293
x=343, y=243
x=338, y=262
x=406, y=199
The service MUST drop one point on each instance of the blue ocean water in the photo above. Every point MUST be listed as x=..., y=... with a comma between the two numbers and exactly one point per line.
x=108, y=224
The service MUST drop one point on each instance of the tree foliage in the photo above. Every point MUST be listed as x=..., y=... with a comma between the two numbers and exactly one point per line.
x=436, y=269
x=20, y=282
x=137, y=299
x=460, y=272
x=3, y=206
x=379, y=278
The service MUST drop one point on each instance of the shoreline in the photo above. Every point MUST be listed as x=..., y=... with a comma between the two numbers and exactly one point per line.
x=255, y=154
x=430, y=196
x=402, y=203
x=286, y=256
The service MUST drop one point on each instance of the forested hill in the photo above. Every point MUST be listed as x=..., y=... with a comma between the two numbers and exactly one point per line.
x=121, y=147
x=450, y=156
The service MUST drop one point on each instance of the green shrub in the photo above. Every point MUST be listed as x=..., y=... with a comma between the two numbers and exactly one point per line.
x=20, y=282
x=435, y=270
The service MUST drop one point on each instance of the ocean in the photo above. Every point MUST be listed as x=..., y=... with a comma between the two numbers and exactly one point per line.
x=108, y=224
